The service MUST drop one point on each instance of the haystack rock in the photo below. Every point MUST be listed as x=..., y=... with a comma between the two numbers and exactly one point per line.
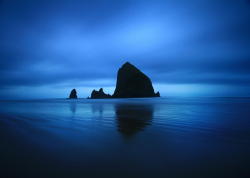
x=99, y=94
x=132, y=83
x=73, y=94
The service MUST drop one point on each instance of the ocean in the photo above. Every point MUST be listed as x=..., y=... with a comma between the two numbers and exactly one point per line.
x=147, y=137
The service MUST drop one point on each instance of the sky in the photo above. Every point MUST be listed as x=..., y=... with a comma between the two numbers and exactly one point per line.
x=187, y=48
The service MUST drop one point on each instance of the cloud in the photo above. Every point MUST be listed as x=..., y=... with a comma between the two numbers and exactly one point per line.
x=70, y=43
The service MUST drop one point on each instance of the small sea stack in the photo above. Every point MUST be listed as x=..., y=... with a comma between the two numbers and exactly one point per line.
x=99, y=94
x=73, y=94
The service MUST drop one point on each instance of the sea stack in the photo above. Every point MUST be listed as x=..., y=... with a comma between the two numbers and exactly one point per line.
x=73, y=94
x=99, y=94
x=132, y=83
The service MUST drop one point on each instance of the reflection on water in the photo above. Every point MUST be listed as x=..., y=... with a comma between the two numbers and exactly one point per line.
x=178, y=137
x=97, y=108
x=132, y=118
x=72, y=106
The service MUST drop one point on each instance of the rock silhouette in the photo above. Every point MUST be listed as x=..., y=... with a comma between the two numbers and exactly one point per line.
x=132, y=83
x=73, y=94
x=99, y=94
x=157, y=94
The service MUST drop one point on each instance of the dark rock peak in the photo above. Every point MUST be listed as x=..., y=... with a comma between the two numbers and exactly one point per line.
x=157, y=94
x=128, y=67
x=126, y=64
x=99, y=94
x=73, y=94
x=132, y=83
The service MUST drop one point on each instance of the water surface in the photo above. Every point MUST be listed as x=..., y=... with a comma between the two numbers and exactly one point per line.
x=159, y=137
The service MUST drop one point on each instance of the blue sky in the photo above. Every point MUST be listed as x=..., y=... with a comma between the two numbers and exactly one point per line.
x=187, y=48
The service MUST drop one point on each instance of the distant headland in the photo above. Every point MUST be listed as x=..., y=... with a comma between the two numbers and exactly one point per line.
x=131, y=83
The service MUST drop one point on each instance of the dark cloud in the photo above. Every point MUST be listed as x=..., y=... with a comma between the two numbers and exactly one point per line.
x=182, y=42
